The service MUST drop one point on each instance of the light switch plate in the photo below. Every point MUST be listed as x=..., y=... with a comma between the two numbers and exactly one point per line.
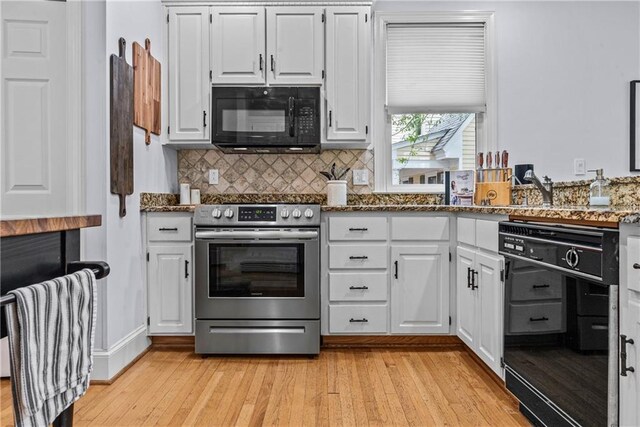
x=213, y=176
x=579, y=167
x=360, y=177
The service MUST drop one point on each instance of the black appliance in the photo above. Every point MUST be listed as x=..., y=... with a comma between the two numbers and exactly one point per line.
x=266, y=119
x=560, y=330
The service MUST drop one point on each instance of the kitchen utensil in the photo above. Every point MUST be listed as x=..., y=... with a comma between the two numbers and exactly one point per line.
x=480, y=164
x=489, y=166
x=497, y=159
x=121, y=126
x=505, y=164
x=146, y=87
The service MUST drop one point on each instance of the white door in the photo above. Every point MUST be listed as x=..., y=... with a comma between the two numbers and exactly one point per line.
x=295, y=48
x=237, y=45
x=35, y=151
x=348, y=70
x=420, y=289
x=489, y=306
x=189, y=87
x=466, y=297
x=170, y=290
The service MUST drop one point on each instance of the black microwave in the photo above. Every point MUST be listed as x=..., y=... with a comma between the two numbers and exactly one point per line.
x=266, y=119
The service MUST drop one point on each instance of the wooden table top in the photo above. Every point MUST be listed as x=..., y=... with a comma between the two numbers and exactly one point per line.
x=36, y=225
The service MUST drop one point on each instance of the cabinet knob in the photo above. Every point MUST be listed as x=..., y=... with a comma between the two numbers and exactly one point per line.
x=636, y=266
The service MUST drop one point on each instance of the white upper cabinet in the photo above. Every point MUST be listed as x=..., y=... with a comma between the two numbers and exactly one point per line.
x=189, y=73
x=295, y=48
x=237, y=45
x=420, y=289
x=348, y=70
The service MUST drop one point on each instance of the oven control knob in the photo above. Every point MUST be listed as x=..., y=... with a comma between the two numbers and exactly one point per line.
x=572, y=258
x=296, y=213
x=308, y=213
x=284, y=213
x=216, y=213
x=228, y=213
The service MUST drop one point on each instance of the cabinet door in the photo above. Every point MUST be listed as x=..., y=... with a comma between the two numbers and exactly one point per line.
x=489, y=309
x=466, y=298
x=237, y=45
x=348, y=70
x=170, y=290
x=420, y=289
x=630, y=384
x=189, y=73
x=295, y=47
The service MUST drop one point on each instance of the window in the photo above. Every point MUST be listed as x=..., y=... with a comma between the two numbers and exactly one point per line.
x=434, y=105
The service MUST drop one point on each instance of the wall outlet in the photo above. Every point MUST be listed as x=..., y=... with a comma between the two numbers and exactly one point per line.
x=360, y=177
x=213, y=176
x=579, y=167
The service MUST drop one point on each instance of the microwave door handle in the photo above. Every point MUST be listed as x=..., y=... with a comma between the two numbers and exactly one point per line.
x=292, y=130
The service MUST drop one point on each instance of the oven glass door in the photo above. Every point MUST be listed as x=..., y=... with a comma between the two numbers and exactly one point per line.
x=556, y=338
x=248, y=119
x=271, y=270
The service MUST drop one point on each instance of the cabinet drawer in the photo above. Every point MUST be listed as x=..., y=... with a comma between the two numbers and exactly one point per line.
x=534, y=284
x=353, y=319
x=358, y=286
x=169, y=228
x=535, y=317
x=357, y=228
x=633, y=257
x=420, y=228
x=467, y=231
x=487, y=235
x=357, y=256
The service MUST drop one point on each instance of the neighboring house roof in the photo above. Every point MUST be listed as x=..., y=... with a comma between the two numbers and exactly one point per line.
x=450, y=123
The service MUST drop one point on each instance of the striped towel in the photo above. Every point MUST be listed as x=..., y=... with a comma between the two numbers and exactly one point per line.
x=51, y=332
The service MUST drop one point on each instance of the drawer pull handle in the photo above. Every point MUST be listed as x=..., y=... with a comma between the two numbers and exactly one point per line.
x=168, y=229
x=538, y=319
x=358, y=229
x=395, y=264
x=537, y=258
x=474, y=273
x=540, y=286
x=359, y=257
x=364, y=288
x=363, y=320
x=186, y=269
x=636, y=266
x=623, y=356
x=468, y=277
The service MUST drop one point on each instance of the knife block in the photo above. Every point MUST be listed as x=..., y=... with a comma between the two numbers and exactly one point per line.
x=495, y=186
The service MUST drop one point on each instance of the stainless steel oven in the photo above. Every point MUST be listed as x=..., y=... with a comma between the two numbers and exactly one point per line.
x=561, y=322
x=257, y=279
x=266, y=119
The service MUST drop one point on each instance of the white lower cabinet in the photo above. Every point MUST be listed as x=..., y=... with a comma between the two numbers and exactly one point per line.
x=630, y=325
x=385, y=273
x=420, y=289
x=169, y=274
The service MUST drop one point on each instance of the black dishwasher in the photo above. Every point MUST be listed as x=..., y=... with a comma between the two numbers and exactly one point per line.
x=560, y=328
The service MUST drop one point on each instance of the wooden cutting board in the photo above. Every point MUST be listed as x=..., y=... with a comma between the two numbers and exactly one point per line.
x=121, y=126
x=146, y=89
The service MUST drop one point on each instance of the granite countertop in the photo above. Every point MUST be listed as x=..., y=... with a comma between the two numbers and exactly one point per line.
x=19, y=226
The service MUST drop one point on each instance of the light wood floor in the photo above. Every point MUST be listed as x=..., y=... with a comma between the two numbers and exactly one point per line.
x=346, y=387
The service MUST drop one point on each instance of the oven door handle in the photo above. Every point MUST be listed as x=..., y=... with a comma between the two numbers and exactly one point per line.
x=257, y=235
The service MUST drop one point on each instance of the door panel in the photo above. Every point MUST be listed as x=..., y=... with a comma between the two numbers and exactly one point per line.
x=489, y=298
x=295, y=45
x=237, y=45
x=466, y=299
x=630, y=384
x=189, y=73
x=348, y=69
x=170, y=294
x=34, y=148
x=420, y=292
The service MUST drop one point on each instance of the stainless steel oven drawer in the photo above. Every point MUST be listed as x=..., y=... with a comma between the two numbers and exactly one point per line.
x=257, y=337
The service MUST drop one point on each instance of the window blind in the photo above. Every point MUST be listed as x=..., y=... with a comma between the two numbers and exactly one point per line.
x=435, y=68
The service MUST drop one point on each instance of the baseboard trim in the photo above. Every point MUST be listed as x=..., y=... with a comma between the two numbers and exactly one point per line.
x=356, y=341
x=109, y=365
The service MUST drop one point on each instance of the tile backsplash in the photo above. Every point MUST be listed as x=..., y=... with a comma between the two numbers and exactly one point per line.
x=270, y=173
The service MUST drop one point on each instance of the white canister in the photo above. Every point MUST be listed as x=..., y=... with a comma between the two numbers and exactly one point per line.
x=185, y=198
x=337, y=193
x=195, y=196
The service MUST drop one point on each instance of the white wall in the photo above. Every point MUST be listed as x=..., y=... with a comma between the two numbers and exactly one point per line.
x=119, y=240
x=563, y=79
